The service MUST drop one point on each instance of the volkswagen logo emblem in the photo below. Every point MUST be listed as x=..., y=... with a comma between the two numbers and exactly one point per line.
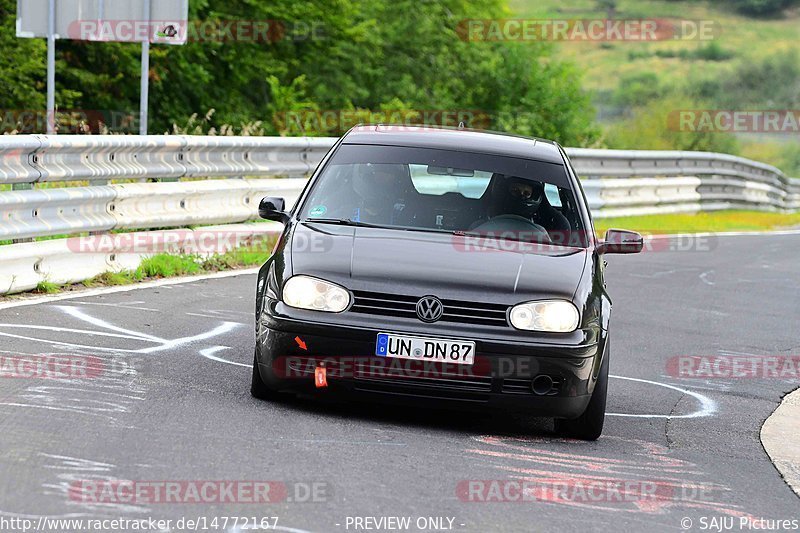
x=429, y=309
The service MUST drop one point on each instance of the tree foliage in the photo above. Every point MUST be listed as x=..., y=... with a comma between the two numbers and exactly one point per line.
x=763, y=7
x=404, y=55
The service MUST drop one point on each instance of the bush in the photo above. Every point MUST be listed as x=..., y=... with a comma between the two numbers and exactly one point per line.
x=713, y=52
x=762, y=7
x=649, y=128
x=637, y=89
x=770, y=83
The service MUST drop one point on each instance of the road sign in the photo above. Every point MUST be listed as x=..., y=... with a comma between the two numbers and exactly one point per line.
x=142, y=21
x=106, y=20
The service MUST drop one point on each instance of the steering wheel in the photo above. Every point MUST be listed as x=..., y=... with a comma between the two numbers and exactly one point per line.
x=509, y=222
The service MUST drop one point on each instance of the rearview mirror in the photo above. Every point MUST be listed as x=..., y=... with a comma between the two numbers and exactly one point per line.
x=450, y=171
x=620, y=241
x=272, y=208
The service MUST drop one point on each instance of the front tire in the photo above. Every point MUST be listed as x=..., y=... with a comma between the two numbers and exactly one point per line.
x=259, y=389
x=589, y=426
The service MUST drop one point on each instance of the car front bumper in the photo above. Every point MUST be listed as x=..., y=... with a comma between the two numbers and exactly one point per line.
x=290, y=349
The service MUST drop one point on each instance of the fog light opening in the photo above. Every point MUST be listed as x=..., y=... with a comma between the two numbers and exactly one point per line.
x=542, y=385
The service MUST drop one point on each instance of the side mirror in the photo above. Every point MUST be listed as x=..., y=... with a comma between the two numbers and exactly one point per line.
x=620, y=241
x=272, y=208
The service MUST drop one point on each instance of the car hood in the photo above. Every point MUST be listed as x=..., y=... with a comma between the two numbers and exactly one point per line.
x=449, y=266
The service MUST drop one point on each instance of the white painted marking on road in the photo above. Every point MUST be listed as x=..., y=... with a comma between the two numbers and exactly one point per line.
x=124, y=288
x=80, y=315
x=133, y=305
x=73, y=472
x=73, y=345
x=113, y=391
x=163, y=344
x=226, y=313
x=208, y=353
x=704, y=277
x=67, y=330
x=219, y=330
x=708, y=407
x=201, y=315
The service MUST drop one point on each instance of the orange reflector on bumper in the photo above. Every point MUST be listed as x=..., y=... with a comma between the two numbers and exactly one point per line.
x=321, y=377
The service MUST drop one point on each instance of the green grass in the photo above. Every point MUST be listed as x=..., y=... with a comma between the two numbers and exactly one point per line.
x=167, y=266
x=46, y=287
x=111, y=278
x=720, y=221
x=604, y=63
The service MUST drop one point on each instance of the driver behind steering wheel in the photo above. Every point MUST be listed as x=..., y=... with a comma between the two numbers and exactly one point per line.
x=512, y=195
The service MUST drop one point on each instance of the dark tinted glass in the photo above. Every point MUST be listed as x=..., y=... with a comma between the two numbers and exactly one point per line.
x=440, y=190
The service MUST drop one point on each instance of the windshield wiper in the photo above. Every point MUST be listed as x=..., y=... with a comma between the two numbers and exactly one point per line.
x=345, y=222
x=358, y=223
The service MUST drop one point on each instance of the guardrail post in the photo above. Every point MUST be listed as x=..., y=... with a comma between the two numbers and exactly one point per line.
x=21, y=187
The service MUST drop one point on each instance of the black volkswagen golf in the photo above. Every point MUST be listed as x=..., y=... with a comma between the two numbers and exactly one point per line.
x=442, y=267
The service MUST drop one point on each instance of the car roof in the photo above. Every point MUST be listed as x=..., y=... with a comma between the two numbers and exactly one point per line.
x=462, y=140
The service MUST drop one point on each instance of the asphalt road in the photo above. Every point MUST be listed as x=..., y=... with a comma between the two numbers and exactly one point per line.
x=167, y=399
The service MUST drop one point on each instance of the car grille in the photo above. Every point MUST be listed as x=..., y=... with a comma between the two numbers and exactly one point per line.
x=439, y=384
x=441, y=380
x=375, y=303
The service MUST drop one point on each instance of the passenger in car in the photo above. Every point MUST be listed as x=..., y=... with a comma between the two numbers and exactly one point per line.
x=381, y=190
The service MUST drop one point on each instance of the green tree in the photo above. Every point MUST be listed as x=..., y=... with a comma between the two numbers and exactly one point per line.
x=762, y=7
x=333, y=55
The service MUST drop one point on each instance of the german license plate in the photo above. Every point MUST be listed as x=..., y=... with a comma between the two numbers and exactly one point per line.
x=425, y=349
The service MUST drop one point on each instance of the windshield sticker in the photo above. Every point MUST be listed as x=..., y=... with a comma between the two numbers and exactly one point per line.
x=318, y=211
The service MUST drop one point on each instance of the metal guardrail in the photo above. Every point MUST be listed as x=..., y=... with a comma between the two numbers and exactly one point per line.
x=42, y=158
x=616, y=182
x=636, y=182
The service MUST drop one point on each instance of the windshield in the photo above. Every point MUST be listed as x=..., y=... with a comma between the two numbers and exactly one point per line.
x=438, y=190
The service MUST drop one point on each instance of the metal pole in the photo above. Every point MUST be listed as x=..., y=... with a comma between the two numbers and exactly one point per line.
x=51, y=68
x=145, y=85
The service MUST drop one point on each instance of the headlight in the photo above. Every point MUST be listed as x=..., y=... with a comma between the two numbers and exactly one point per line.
x=557, y=316
x=304, y=292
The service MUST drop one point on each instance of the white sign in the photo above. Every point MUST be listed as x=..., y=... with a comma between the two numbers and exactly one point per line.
x=107, y=20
